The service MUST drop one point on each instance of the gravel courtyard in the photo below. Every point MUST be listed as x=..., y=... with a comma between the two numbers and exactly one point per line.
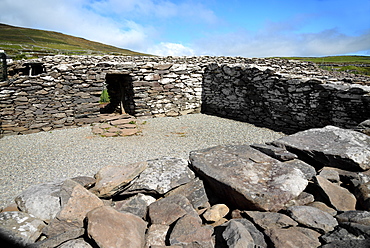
x=46, y=156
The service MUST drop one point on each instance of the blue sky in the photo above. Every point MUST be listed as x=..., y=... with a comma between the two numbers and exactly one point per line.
x=261, y=28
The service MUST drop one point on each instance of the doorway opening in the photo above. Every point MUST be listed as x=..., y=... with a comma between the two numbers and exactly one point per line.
x=121, y=94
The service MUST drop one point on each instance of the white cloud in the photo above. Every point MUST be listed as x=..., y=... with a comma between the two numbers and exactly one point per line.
x=170, y=49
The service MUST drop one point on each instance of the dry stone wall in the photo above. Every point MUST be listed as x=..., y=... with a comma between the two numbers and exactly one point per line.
x=58, y=91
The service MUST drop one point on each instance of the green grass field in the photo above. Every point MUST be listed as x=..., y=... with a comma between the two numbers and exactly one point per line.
x=27, y=43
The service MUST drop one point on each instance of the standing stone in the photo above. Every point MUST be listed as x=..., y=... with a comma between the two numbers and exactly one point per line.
x=313, y=218
x=42, y=201
x=111, y=180
x=110, y=228
x=293, y=237
x=340, y=198
x=331, y=146
x=20, y=228
x=249, y=179
x=161, y=176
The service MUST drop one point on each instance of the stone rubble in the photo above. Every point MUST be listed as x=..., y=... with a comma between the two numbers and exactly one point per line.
x=224, y=196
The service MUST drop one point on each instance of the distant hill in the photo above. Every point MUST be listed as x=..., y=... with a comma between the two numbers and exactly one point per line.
x=30, y=43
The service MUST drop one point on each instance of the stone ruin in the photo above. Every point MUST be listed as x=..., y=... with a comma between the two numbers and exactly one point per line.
x=308, y=189
x=63, y=91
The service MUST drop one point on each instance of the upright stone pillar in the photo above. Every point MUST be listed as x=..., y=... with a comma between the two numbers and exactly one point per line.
x=3, y=67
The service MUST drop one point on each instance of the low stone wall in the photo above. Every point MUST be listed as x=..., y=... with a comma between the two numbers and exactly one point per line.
x=303, y=190
x=59, y=91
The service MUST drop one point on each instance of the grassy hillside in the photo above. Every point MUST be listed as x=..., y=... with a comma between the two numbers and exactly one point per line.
x=352, y=64
x=25, y=42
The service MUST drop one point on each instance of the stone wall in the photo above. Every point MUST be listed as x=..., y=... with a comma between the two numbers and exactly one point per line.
x=59, y=91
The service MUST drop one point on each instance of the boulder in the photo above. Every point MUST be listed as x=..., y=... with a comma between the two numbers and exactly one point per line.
x=110, y=228
x=111, y=180
x=216, y=212
x=19, y=228
x=313, y=218
x=161, y=175
x=42, y=200
x=268, y=220
x=330, y=146
x=338, y=197
x=137, y=204
x=242, y=233
x=249, y=179
x=293, y=237
x=194, y=191
x=362, y=193
x=169, y=209
x=359, y=217
x=76, y=202
x=189, y=232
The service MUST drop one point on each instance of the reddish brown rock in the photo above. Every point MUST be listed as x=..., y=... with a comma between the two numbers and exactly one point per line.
x=111, y=179
x=110, y=228
x=216, y=212
x=340, y=198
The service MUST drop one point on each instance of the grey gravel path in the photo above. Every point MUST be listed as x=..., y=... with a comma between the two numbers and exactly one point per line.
x=42, y=157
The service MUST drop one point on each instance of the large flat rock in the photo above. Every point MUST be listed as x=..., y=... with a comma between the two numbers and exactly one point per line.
x=249, y=179
x=331, y=146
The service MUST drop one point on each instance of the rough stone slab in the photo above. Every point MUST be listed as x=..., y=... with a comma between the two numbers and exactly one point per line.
x=339, y=234
x=111, y=180
x=20, y=228
x=362, y=193
x=293, y=237
x=42, y=200
x=194, y=191
x=137, y=204
x=340, y=198
x=322, y=206
x=76, y=202
x=348, y=243
x=330, y=174
x=188, y=230
x=122, y=121
x=161, y=176
x=110, y=228
x=357, y=229
x=242, y=233
x=331, y=146
x=303, y=199
x=76, y=243
x=313, y=218
x=268, y=220
x=359, y=217
x=275, y=152
x=156, y=235
x=128, y=132
x=169, y=209
x=86, y=182
x=248, y=179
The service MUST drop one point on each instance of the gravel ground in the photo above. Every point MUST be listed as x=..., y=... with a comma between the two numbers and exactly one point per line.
x=46, y=156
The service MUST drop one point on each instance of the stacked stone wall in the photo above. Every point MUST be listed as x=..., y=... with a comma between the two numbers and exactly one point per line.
x=280, y=94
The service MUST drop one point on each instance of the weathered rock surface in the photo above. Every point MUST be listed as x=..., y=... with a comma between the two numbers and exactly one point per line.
x=42, y=201
x=110, y=228
x=338, y=197
x=293, y=237
x=111, y=180
x=362, y=193
x=186, y=211
x=313, y=218
x=20, y=228
x=331, y=146
x=267, y=220
x=161, y=175
x=249, y=179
